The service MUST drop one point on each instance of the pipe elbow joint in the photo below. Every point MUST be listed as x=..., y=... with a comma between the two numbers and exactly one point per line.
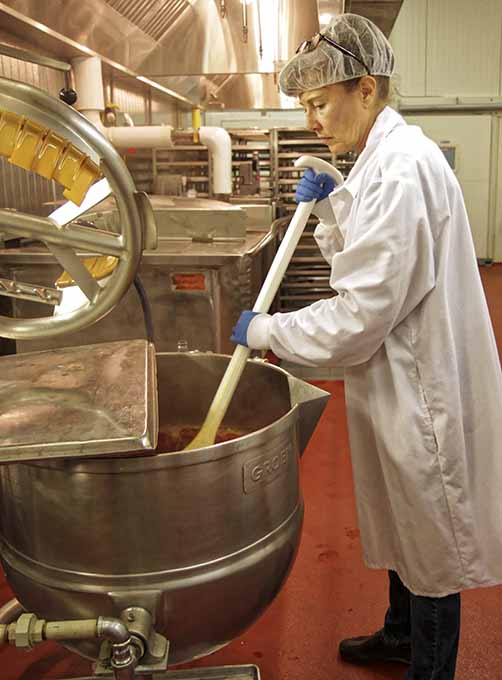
x=113, y=630
x=219, y=143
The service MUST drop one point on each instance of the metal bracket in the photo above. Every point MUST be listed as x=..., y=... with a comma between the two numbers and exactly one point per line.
x=30, y=291
x=103, y=669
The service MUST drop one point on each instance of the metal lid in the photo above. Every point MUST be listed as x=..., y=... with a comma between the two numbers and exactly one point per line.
x=78, y=402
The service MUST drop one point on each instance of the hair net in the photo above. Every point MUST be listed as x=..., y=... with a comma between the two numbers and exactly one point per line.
x=326, y=65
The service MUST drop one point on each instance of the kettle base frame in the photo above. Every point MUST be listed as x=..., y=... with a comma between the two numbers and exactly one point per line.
x=246, y=672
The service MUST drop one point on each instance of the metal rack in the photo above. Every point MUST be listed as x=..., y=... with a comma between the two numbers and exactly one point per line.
x=188, y=167
x=252, y=164
x=176, y=170
x=307, y=278
x=263, y=172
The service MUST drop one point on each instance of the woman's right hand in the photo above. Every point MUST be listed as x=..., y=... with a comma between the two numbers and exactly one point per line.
x=314, y=186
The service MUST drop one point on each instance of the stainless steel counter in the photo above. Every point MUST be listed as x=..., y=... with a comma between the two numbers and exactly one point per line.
x=169, y=251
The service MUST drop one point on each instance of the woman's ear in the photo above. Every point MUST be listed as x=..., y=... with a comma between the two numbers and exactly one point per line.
x=368, y=89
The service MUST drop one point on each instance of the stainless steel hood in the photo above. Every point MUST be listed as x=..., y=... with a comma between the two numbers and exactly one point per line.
x=216, y=53
x=381, y=12
x=248, y=38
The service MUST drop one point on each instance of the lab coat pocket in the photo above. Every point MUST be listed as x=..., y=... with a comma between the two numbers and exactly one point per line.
x=430, y=438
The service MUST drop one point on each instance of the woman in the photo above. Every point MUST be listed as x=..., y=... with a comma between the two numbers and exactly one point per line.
x=410, y=325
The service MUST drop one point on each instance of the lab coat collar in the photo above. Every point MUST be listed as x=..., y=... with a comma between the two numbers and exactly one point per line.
x=385, y=122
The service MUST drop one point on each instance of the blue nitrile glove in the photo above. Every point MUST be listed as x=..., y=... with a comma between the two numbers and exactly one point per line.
x=313, y=186
x=240, y=330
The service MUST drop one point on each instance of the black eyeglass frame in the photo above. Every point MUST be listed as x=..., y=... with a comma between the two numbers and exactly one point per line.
x=310, y=46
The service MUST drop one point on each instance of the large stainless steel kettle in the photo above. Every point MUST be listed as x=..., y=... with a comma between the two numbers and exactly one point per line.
x=202, y=539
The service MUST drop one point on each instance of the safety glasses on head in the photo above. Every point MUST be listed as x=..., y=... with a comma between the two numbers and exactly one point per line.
x=310, y=45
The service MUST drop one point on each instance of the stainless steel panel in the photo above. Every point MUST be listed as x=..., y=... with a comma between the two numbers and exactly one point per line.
x=248, y=91
x=226, y=276
x=67, y=28
x=382, y=12
x=202, y=42
x=190, y=38
x=33, y=57
x=77, y=402
x=154, y=18
x=200, y=219
x=206, y=269
x=189, y=47
x=330, y=7
x=92, y=23
x=131, y=97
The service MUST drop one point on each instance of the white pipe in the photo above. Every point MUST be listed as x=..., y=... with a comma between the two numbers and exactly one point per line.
x=95, y=118
x=88, y=83
x=140, y=136
x=219, y=143
x=89, y=86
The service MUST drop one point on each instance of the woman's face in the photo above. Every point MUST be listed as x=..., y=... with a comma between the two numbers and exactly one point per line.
x=342, y=118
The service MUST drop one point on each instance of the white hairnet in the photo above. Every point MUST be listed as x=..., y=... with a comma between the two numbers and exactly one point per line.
x=326, y=65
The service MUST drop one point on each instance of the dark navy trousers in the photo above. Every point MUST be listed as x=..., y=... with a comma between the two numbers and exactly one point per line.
x=431, y=624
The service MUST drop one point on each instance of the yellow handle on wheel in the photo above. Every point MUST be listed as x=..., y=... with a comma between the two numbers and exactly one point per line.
x=33, y=147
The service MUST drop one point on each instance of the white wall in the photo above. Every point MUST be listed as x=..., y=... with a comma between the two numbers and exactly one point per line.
x=449, y=49
x=472, y=137
x=256, y=119
x=497, y=188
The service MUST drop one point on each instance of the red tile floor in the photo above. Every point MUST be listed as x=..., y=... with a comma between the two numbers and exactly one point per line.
x=329, y=594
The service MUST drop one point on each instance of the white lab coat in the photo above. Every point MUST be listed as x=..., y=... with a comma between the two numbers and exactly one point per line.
x=410, y=324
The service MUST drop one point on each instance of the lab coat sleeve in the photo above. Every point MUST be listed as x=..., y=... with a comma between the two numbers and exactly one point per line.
x=384, y=271
x=326, y=234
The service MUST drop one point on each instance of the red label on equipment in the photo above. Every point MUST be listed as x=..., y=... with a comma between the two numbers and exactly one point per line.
x=195, y=281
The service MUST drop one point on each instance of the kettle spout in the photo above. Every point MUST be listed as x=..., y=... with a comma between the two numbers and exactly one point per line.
x=311, y=402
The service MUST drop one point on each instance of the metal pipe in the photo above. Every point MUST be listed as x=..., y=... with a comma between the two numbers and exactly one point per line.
x=260, y=35
x=32, y=226
x=244, y=21
x=10, y=611
x=113, y=630
x=4, y=634
x=70, y=630
x=126, y=673
x=125, y=654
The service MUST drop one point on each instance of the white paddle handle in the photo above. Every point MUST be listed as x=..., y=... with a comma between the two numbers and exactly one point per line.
x=234, y=370
x=292, y=236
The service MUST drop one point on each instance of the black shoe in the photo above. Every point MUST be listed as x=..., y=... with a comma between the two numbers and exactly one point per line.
x=373, y=648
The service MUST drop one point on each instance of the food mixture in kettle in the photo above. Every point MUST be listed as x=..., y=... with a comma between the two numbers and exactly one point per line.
x=176, y=437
